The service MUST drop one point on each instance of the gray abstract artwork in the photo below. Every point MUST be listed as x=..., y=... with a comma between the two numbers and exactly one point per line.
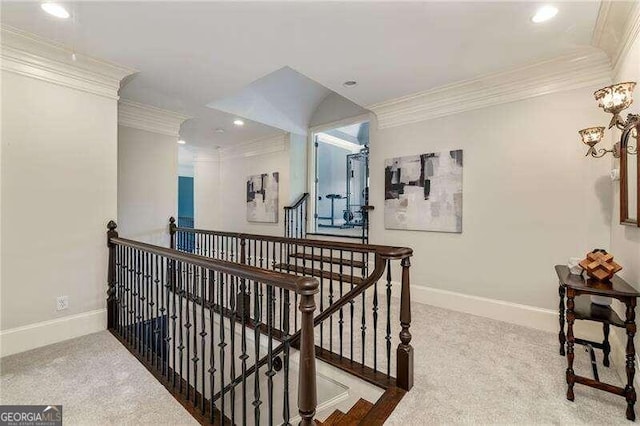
x=424, y=192
x=262, y=198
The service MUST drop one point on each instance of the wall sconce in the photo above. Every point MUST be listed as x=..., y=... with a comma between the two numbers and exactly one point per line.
x=614, y=99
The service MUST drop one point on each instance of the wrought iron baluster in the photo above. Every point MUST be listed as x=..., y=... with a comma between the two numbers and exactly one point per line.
x=232, y=325
x=286, y=414
x=256, y=385
x=212, y=352
x=156, y=318
x=194, y=297
x=331, y=300
x=148, y=307
x=321, y=294
x=180, y=290
x=187, y=325
x=363, y=327
x=203, y=334
x=295, y=314
x=261, y=285
x=222, y=344
x=139, y=302
x=164, y=302
x=351, y=309
x=270, y=371
x=244, y=356
x=173, y=285
x=388, y=335
x=341, y=313
x=375, y=326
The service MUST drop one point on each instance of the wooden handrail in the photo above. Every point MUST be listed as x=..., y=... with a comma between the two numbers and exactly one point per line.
x=300, y=200
x=386, y=252
x=298, y=284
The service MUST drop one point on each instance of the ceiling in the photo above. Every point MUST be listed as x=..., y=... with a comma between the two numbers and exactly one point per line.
x=190, y=54
x=284, y=99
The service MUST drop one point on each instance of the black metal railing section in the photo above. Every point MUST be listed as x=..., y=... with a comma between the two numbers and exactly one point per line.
x=356, y=326
x=295, y=218
x=187, y=319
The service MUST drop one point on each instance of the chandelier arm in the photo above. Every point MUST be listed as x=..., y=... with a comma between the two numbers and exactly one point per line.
x=601, y=153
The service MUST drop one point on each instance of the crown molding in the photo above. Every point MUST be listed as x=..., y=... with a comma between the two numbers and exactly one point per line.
x=617, y=27
x=630, y=34
x=587, y=68
x=149, y=118
x=30, y=55
x=261, y=146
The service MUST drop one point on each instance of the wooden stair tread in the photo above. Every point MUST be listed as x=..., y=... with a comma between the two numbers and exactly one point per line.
x=318, y=273
x=336, y=416
x=328, y=259
x=356, y=413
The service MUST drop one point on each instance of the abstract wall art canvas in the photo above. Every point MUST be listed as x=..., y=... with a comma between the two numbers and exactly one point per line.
x=424, y=192
x=262, y=198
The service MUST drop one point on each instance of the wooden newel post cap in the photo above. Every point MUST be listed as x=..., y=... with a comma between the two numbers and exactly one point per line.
x=111, y=226
x=172, y=220
x=600, y=265
x=307, y=286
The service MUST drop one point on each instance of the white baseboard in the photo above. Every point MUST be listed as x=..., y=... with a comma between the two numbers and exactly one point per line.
x=44, y=333
x=513, y=313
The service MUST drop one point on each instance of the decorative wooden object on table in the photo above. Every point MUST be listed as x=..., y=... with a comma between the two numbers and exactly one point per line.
x=600, y=265
x=580, y=308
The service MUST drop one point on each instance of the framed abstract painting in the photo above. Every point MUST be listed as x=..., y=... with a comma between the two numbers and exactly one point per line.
x=424, y=192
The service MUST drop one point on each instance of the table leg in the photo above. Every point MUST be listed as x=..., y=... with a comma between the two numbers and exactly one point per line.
x=606, y=347
x=630, y=325
x=561, y=336
x=570, y=342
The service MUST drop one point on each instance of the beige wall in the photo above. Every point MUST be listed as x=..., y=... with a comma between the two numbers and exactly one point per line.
x=59, y=182
x=147, y=184
x=530, y=198
x=625, y=240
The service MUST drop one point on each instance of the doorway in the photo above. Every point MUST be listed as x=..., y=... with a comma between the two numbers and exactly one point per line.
x=342, y=180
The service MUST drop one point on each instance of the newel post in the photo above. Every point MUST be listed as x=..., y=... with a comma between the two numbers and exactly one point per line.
x=111, y=276
x=404, y=353
x=307, y=392
x=172, y=232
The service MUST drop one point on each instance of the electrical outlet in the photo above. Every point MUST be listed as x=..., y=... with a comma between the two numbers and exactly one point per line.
x=62, y=303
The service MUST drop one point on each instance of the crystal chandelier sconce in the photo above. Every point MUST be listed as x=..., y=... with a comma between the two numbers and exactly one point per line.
x=614, y=99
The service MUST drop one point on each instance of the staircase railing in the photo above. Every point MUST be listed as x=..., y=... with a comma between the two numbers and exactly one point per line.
x=179, y=315
x=295, y=218
x=355, y=330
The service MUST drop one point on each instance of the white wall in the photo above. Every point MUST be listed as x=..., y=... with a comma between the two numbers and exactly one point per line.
x=59, y=182
x=147, y=184
x=220, y=183
x=298, y=166
x=530, y=198
x=206, y=191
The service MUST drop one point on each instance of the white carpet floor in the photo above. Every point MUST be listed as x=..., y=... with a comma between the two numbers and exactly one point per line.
x=468, y=370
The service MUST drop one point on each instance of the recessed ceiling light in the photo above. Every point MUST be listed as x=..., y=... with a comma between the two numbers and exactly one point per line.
x=350, y=83
x=182, y=142
x=219, y=130
x=238, y=122
x=55, y=9
x=544, y=14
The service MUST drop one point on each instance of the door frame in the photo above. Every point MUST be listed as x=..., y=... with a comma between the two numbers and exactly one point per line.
x=311, y=160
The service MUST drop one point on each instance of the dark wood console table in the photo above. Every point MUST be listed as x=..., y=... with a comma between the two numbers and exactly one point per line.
x=582, y=309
